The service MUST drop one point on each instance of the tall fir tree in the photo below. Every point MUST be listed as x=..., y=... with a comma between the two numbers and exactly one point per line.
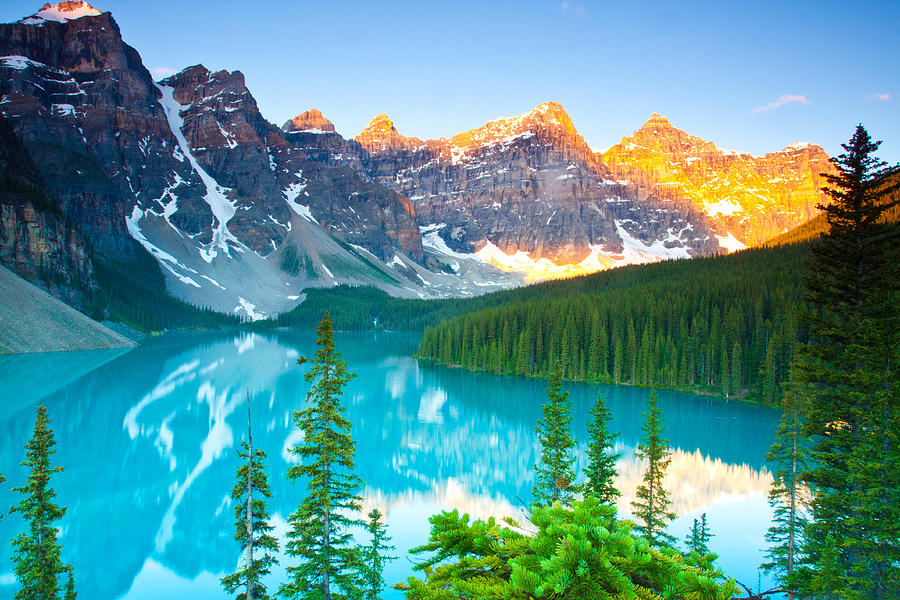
x=787, y=455
x=375, y=556
x=251, y=522
x=37, y=561
x=554, y=473
x=320, y=533
x=847, y=372
x=601, y=473
x=651, y=506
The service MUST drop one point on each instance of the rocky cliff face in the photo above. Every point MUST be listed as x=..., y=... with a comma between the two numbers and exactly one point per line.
x=36, y=240
x=88, y=112
x=528, y=184
x=751, y=197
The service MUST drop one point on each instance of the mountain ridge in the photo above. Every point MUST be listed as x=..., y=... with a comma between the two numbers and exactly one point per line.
x=221, y=197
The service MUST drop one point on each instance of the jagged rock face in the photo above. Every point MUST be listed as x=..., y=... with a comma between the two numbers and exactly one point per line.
x=88, y=113
x=268, y=171
x=230, y=140
x=753, y=197
x=528, y=183
x=323, y=171
x=312, y=120
x=36, y=240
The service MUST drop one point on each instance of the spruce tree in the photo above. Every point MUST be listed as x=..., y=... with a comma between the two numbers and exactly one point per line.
x=70, y=593
x=374, y=556
x=37, y=563
x=554, y=473
x=848, y=377
x=251, y=521
x=601, y=460
x=698, y=536
x=785, y=496
x=651, y=507
x=320, y=533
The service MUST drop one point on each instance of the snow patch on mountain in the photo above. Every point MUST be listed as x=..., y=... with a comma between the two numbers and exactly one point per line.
x=725, y=206
x=222, y=208
x=730, y=243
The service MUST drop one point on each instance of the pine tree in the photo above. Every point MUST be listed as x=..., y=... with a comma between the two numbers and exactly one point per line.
x=850, y=383
x=554, y=472
x=252, y=528
x=785, y=497
x=37, y=563
x=320, y=527
x=374, y=556
x=651, y=507
x=698, y=536
x=70, y=593
x=601, y=460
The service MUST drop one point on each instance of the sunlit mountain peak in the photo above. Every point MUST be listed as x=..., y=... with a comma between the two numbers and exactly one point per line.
x=311, y=120
x=62, y=12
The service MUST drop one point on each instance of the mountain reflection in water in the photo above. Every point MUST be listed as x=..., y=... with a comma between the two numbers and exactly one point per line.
x=148, y=443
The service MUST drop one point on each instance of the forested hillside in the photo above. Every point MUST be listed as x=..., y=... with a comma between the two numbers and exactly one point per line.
x=724, y=324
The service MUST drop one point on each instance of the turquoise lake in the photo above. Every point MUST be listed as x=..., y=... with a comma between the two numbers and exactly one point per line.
x=148, y=440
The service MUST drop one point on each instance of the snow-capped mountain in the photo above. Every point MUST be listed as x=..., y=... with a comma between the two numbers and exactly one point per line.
x=243, y=215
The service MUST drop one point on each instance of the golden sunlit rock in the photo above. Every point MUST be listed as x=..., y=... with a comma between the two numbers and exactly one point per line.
x=755, y=197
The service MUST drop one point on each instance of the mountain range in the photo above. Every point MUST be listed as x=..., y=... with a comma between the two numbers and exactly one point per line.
x=102, y=163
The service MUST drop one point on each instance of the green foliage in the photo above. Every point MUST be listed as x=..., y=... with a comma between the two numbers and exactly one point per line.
x=698, y=536
x=251, y=522
x=554, y=474
x=651, y=506
x=374, y=556
x=37, y=563
x=848, y=378
x=725, y=324
x=320, y=527
x=582, y=552
x=70, y=593
x=600, y=472
x=787, y=456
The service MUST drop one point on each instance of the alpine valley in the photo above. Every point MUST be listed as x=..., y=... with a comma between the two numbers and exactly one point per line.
x=102, y=164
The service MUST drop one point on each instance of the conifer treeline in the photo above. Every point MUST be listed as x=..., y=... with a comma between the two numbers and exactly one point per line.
x=725, y=324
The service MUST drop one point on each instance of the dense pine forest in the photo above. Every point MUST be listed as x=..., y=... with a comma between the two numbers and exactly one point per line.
x=725, y=324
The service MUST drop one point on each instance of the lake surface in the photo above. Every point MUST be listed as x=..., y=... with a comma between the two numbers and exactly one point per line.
x=148, y=441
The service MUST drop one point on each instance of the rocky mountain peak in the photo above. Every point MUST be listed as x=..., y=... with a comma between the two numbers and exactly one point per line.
x=311, y=120
x=61, y=12
x=380, y=135
x=656, y=120
x=547, y=117
x=196, y=84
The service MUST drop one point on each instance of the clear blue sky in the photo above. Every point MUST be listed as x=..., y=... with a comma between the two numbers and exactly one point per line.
x=750, y=76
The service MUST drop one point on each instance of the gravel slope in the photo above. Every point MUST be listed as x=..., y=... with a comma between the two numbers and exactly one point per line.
x=31, y=320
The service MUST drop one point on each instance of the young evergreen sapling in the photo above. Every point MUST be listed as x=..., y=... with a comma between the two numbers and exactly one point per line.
x=554, y=473
x=651, y=507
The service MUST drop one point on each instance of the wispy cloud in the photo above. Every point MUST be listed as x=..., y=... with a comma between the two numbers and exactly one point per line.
x=163, y=71
x=786, y=99
x=879, y=97
x=577, y=9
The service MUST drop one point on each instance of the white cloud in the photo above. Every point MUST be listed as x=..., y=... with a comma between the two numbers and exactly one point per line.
x=163, y=71
x=576, y=10
x=880, y=97
x=786, y=99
